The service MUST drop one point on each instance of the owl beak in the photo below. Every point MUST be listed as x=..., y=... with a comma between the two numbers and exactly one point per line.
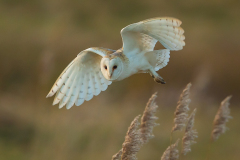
x=110, y=74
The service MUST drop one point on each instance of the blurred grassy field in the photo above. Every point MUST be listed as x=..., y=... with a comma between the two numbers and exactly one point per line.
x=39, y=38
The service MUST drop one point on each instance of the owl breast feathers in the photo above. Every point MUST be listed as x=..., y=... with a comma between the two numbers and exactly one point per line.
x=95, y=68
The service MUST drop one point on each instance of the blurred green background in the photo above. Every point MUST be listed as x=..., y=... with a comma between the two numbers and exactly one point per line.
x=39, y=38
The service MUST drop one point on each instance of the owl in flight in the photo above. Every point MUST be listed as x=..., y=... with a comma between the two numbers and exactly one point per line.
x=95, y=68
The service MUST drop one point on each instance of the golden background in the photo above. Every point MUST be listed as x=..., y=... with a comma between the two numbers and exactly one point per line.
x=39, y=38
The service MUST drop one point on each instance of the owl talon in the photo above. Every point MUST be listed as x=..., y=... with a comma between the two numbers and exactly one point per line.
x=156, y=77
x=159, y=80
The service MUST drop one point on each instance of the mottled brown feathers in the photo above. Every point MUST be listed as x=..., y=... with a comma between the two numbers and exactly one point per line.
x=118, y=53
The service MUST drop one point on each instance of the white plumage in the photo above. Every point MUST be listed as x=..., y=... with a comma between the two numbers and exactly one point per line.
x=95, y=68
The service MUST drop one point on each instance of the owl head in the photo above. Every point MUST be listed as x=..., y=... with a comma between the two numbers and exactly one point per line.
x=111, y=67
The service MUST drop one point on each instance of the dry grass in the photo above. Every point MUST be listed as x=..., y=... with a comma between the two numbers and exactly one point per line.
x=137, y=136
x=182, y=109
x=118, y=155
x=148, y=119
x=221, y=118
x=189, y=135
x=171, y=153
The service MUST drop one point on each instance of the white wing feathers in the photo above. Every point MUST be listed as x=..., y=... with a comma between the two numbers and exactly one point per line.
x=81, y=80
x=165, y=30
x=162, y=58
x=158, y=58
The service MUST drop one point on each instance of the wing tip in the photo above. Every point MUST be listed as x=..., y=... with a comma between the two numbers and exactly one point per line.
x=49, y=95
x=69, y=107
x=55, y=102
x=60, y=106
x=79, y=102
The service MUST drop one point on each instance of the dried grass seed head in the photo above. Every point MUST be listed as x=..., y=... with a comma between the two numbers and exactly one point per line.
x=171, y=153
x=133, y=141
x=221, y=118
x=190, y=134
x=182, y=109
x=118, y=155
x=148, y=119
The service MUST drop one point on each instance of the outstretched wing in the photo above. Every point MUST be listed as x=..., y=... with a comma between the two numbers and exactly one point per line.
x=81, y=80
x=142, y=36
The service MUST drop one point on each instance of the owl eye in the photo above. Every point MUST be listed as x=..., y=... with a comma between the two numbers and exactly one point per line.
x=105, y=67
x=114, y=67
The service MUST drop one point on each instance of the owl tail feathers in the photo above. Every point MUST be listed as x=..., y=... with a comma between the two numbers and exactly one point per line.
x=158, y=58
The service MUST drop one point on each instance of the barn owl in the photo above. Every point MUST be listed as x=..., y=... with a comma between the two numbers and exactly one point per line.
x=95, y=68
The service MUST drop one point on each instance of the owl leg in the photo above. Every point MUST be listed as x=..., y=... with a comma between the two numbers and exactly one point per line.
x=156, y=77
